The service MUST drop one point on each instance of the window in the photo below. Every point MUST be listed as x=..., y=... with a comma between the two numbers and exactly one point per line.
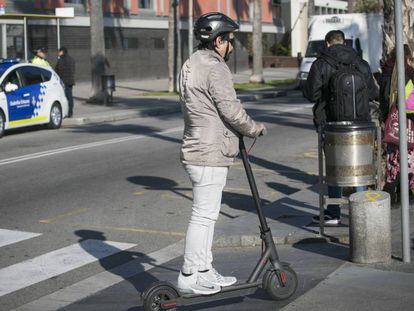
x=46, y=75
x=314, y=48
x=159, y=43
x=130, y=43
x=13, y=78
x=358, y=47
x=31, y=75
x=144, y=4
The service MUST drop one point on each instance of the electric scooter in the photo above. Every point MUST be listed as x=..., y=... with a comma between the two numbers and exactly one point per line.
x=279, y=280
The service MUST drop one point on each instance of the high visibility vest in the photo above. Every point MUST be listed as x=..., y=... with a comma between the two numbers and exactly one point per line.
x=40, y=61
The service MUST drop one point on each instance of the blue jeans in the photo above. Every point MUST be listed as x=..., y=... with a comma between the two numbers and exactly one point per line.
x=334, y=210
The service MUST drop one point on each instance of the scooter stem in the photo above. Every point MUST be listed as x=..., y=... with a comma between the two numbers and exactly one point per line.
x=256, y=198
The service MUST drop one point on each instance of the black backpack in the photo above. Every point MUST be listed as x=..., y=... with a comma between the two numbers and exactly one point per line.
x=348, y=93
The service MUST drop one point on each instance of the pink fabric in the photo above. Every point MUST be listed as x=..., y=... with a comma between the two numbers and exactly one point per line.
x=391, y=130
x=409, y=103
x=393, y=165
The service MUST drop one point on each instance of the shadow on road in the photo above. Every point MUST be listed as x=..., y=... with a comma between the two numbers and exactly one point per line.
x=284, y=170
x=126, y=128
x=109, y=263
x=333, y=250
x=233, y=200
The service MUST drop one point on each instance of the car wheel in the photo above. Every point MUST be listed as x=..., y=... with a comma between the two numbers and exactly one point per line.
x=55, y=116
x=2, y=124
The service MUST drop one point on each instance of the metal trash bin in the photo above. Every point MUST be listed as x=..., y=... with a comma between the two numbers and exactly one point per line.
x=350, y=154
x=108, y=83
x=108, y=87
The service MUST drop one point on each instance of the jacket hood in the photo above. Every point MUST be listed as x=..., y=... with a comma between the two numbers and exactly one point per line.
x=342, y=53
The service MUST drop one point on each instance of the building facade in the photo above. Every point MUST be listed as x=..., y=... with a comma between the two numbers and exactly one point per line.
x=136, y=32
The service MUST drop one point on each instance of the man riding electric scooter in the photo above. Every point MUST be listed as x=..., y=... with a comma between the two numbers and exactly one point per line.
x=214, y=118
x=215, y=123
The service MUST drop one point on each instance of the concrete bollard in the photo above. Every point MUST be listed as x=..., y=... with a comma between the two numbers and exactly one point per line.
x=370, y=227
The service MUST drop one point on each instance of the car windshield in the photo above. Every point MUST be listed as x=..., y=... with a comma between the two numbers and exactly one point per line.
x=316, y=47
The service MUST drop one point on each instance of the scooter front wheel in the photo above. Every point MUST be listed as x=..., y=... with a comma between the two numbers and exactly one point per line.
x=281, y=284
x=160, y=297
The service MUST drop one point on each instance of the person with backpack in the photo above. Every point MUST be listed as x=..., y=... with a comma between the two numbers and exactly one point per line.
x=388, y=106
x=341, y=85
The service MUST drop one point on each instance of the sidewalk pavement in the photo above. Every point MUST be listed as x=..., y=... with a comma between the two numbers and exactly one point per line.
x=383, y=286
x=130, y=100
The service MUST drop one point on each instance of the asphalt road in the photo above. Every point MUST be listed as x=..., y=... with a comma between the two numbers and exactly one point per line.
x=122, y=183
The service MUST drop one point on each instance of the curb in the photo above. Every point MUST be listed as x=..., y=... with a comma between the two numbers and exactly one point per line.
x=119, y=116
x=255, y=240
x=73, y=122
x=259, y=96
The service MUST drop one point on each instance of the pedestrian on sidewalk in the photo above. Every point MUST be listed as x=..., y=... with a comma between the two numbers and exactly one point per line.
x=388, y=105
x=322, y=88
x=213, y=118
x=40, y=57
x=65, y=68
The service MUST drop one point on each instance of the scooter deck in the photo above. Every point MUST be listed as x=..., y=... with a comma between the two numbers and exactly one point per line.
x=228, y=292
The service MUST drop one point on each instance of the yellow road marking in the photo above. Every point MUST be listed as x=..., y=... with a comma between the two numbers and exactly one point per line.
x=149, y=231
x=139, y=192
x=311, y=154
x=372, y=196
x=72, y=213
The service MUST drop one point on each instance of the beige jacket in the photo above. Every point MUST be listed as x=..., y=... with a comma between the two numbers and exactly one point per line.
x=212, y=113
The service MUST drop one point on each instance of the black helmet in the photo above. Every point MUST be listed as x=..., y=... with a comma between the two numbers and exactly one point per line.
x=210, y=25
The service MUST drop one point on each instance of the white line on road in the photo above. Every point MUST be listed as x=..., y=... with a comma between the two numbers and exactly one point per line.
x=84, y=146
x=57, y=262
x=118, y=140
x=12, y=236
x=99, y=282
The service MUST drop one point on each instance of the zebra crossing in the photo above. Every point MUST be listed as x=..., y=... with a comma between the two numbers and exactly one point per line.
x=29, y=273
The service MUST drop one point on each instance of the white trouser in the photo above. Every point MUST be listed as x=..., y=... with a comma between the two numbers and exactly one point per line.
x=208, y=184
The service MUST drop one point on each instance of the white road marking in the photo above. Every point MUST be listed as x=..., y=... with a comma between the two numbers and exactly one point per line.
x=96, y=283
x=57, y=262
x=84, y=146
x=48, y=153
x=12, y=236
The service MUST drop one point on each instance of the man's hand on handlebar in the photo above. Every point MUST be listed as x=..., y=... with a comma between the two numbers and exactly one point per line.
x=262, y=128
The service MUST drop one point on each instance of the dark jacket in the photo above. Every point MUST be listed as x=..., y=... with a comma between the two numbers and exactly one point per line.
x=65, y=68
x=316, y=87
x=385, y=85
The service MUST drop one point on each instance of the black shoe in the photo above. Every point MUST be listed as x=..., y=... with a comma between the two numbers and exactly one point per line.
x=328, y=220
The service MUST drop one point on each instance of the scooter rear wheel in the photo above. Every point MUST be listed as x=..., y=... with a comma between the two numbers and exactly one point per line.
x=160, y=298
x=274, y=286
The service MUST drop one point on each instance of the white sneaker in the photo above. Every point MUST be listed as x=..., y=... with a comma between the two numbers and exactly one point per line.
x=216, y=278
x=193, y=284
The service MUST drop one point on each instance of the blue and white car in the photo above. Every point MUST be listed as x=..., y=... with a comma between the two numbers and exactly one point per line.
x=30, y=95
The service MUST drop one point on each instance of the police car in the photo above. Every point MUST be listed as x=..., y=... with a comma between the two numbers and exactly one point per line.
x=30, y=95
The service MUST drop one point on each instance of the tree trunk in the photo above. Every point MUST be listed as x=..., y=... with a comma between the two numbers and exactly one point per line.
x=174, y=49
x=257, y=74
x=350, y=6
x=171, y=37
x=389, y=25
x=311, y=8
x=98, y=60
